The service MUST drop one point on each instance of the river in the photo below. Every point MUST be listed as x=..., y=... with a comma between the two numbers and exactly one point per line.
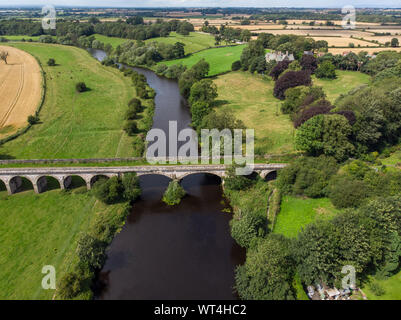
x=181, y=252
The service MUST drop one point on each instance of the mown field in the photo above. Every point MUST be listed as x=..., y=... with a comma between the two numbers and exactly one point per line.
x=76, y=125
x=391, y=287
x=296, y=213
x=345, y=82
x=251, y=99
x=38, y=230
x=220, y=59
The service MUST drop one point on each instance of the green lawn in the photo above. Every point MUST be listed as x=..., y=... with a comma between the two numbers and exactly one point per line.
x=195, y=41
x=298, y=212
x=114, y=41
x=76, y=125
x=220, y=59
x=19, y=38
x=38, y=230
x=251, y=99
x=345, y=82
x=391, y=286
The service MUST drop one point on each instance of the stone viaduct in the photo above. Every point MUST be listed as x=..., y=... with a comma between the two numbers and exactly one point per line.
x=12, y=177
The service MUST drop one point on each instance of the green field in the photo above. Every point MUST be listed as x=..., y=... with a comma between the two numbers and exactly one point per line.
x=391, y=287
x=76, y=125
x=251, y=99
x=345, y=82
x=296, y=213
x=220, y=59
x=19, y=38
x=114, y=41
x=38, y=230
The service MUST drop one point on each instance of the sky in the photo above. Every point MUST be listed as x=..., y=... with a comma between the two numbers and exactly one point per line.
x=208, y=3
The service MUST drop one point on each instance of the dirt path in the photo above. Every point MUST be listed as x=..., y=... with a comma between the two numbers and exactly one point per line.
x=20, y=88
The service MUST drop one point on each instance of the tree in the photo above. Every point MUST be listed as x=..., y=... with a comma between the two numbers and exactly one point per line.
x=131, y=126
x=394, y=42
x=178, y=50
x=81, y=87
x=279, y=68
x=308, y=112
x=309, y=62
x=325, y=134
x=236, y=65
x=346, y=192
x=246, y=228
x=135, y=20
x=108, y=191
x=268, y=271
x=289, y=80
x=4, y=56
x=132, y=189
x=190, y=76
x=253, y=50
x=51, y=62
x=203, y=90
x=90, y=251
x=326, y=70
x=173, y=194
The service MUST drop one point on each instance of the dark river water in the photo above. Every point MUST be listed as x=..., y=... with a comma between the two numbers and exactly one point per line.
x=181, y=252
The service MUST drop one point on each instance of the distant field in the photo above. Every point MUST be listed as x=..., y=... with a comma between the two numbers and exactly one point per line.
x=296, y=213
x=345, y=82
x=38, y=230
x=344, y=42
x=76, y=125
x=251, y=99
x=19, y=38
x=357, y=50
x=110, y=40
x=220, y=59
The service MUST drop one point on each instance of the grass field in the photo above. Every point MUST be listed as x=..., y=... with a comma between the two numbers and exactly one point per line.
x=345, y=82
x=38, y=230
x=19, y=38
x=251, y=99
x=114, y=41
x=391, y=287
x=195, y=41
x=220, y=59
x=76, y=125
x=298, y=212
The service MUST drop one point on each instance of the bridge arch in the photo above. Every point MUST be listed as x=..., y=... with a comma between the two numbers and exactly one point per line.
x=98, y=177
x=47, y=183
x=270, y=175
x=3, y=186
x=145, y=174
x=188, y=174
x=20, y=183
x=73, y=182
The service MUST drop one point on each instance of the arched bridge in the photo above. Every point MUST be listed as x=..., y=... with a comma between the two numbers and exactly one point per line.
x=12, y=177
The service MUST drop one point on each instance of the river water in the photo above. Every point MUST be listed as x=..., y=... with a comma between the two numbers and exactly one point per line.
x=181, y=252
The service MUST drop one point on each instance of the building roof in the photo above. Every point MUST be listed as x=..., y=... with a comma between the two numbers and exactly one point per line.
x=279, y=56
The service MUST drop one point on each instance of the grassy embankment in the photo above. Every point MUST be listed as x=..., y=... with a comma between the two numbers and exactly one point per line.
x=391, y=287
x=251, y=99
x=39, y=230
x=76, y=125
x=220, y=59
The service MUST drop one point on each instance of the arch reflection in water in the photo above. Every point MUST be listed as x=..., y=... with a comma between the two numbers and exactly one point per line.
x=183, y=252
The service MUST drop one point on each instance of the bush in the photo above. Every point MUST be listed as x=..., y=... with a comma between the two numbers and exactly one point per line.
x=138, y=145
x=279, y=68
x=236, y=182
x=247, y=228
x=33, y=120
x=51, y=62
x=377, y=289
x=236, y=65
x=322, y=107
x=91, y=251
x=131, y=127
x=81, y=87
x=309, y=63
x=108, y=191
x=70, y=285
x=135, y=103
x=173, y=194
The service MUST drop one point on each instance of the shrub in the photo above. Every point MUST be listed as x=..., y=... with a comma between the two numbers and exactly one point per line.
x=70, y=285
x=236, y=65
x=138, y=145
x=81, y=87
x=131, y=127
x=377, y=289
x=290, y=80
x=33, y=120
x=309, y=112
x=51, y=62
x=309, y=63
x=279, y=68
x=135, y=103
x=247, y=228
x=236, y=182
x=173, y=194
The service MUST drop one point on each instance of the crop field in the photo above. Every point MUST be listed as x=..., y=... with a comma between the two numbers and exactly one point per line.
x=345, y=82
x=344, y=41
x=220, y=59
x=20, y=89
x=251, y=99
x=357, y=50
x=296, y=213
x=38, y=230
x=76, y=125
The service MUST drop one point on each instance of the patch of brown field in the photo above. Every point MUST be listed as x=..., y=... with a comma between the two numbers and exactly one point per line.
x=357, y=50
x=320, y=32
x=383, y=39
x=344, y=42
x=20, y=88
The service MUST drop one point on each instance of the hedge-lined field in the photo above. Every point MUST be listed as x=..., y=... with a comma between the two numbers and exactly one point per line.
x=38, y=230
x=76, y=125
x=220, y=59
